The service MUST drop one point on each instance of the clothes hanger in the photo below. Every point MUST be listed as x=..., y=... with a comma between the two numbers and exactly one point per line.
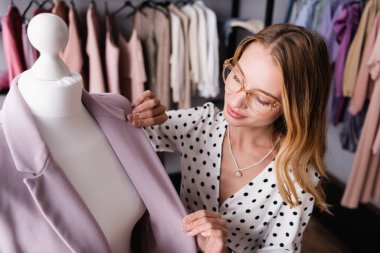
x=125, y=5
x=164, y=3
x=183, y=2
x=45, y=2
x=139, y=8
x=154, y=5
x=28, y=7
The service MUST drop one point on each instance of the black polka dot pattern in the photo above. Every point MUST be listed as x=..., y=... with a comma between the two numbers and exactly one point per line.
x=257, y=217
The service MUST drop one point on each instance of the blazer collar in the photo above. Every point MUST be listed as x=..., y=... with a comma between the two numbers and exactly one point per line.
x=28, y=149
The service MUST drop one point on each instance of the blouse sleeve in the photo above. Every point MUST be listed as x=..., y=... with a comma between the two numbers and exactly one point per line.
x=176, y=131
x=286, y=231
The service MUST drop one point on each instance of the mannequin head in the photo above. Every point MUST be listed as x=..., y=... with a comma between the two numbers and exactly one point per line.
x=49, y=34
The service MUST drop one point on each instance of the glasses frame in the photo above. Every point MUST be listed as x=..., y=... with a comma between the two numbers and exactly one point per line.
x=275, y=104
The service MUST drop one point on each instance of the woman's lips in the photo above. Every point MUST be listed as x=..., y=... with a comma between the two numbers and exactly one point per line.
x=233, y=114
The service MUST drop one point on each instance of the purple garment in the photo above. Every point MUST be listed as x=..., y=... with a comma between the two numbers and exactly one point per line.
x=326, y=28
x=40, y=211
x=345, y=26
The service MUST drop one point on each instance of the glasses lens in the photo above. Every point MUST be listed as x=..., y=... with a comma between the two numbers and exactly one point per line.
x=231, y=78
x=258, y=103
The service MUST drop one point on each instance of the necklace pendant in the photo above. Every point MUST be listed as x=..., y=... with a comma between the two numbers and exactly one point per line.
x=238, y=173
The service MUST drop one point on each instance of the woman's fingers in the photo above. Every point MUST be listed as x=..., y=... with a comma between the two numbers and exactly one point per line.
x=205, y=228
x=217, y=221
x=144, y=96
x=147, y=104
x=203, y=220
x=157, y=120
x=148, y=113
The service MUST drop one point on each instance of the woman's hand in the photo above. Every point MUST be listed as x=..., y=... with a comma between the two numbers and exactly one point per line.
x=147, y=111
x=209, y=228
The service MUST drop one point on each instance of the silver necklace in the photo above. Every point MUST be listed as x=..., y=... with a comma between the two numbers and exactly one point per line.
x=239, y=172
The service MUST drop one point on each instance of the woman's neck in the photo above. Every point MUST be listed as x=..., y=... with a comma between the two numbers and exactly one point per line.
x=52, y=98
x=246, y=137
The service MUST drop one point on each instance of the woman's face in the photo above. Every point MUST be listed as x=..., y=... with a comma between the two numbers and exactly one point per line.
x=260, y=73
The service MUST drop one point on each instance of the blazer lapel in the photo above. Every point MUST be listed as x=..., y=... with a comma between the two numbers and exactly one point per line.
x=146, y=172
x=50, y=189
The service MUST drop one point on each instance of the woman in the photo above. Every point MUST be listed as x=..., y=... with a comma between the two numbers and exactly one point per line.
x=250, y=173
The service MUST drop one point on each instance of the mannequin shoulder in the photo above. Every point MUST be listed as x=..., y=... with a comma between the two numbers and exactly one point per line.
x=116, y=100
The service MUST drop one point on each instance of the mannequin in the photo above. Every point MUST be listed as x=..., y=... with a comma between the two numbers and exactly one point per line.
x=74, y=139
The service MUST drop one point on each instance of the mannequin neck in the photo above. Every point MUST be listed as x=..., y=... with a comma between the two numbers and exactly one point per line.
x=52, y=98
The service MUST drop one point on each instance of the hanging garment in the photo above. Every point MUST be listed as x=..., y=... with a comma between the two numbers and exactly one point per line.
x=72, y=54
x=211, y=88
x=356, y=52
x=112, y=60
x=142, y=23
x=132, y=74
x=193, y=49
x=27, y=47
x=325, y=28
x=376, y=143
x=319, y=8
x=11, y=24
x=61, y=10
x=177, y=64
x=345, y=26
x=185, y=101
x=363, y=184
x=94, y=48
x=201, y=47
x=352, y=127
x=364, y=84
x=162, y=39
x=35, y=193
x=253, y=26
x=306, y=14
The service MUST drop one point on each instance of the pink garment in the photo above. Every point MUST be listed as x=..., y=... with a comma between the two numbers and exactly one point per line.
x=12, y=42
x=93, y=49
x=364, y=181
x=61, y=10
x=72, y=54
x=376, y=144
x=28, y=49
x=363, y=82
x=132, y=68
x=112, y=60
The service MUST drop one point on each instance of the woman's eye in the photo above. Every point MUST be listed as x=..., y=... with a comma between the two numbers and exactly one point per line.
x=236, y=79
x=260, y=100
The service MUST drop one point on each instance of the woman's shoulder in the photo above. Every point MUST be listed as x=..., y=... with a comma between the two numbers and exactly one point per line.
x=207, y=111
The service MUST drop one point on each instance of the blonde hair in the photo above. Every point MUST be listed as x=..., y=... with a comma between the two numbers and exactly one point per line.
x=303, y=58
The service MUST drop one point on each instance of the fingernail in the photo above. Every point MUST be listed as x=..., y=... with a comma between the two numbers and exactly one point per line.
x=203, y=234
x=130, y=117
x=185, y=219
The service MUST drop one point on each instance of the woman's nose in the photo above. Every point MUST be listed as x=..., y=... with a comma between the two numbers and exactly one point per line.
x=238, y=100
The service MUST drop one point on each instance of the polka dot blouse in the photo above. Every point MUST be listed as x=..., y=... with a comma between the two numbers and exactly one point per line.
x=258, y=219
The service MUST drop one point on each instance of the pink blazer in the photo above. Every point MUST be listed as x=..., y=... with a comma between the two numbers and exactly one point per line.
x=41, y=212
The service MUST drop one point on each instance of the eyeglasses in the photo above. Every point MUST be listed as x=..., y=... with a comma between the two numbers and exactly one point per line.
x=257, y=101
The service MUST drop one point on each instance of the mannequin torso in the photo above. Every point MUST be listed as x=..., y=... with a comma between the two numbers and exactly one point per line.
x=75, y=140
